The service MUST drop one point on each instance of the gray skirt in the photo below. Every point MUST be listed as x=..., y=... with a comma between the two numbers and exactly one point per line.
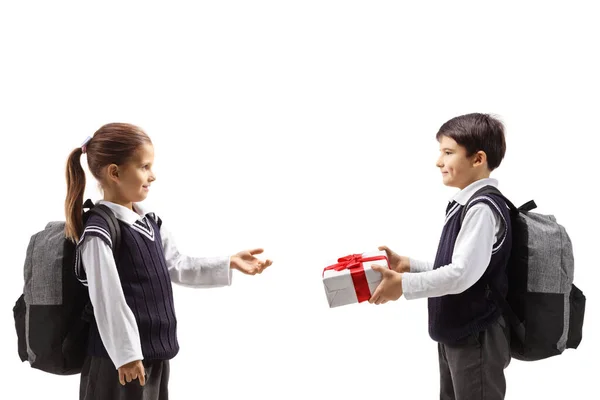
x=100, y=381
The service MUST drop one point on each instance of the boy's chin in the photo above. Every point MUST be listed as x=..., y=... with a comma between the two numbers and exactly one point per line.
x=447, y=182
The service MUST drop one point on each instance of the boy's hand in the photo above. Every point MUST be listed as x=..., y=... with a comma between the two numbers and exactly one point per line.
x=390, y=287
x=397, y=263
x=245, y=262
x=131, y=371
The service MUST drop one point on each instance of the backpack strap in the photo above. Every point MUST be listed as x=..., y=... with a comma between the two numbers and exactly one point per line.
x=516, y=324
x=115, y=235
x=483, y=191
x=113, y=224
x=528, y=206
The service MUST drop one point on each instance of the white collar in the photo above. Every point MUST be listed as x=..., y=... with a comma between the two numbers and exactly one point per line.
x=464, y=195
x=125, y=214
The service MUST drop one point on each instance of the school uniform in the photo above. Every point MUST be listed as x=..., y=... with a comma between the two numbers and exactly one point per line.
x=472, y=335
x=132, y=297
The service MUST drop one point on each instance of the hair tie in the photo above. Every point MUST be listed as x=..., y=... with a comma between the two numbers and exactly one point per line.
x=84, y=144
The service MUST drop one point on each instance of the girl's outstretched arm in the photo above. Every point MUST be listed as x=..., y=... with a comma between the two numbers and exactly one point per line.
x=208, y=272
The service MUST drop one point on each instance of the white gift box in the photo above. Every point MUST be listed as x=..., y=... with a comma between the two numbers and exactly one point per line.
x=340, y=285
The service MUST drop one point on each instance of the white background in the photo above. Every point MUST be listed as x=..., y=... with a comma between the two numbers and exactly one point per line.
x=307, y=128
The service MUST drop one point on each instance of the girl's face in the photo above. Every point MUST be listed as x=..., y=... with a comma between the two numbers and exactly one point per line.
x=135, y=176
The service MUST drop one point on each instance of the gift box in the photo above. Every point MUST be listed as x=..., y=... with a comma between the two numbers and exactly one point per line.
x=351, y=279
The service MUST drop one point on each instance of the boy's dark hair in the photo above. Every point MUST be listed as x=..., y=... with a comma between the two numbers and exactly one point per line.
x=477, y=132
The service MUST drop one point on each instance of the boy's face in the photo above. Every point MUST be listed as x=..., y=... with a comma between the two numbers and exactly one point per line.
x=457, y=169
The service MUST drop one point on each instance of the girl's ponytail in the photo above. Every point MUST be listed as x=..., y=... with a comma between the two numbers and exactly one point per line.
x=74, y=200
x=114, y=143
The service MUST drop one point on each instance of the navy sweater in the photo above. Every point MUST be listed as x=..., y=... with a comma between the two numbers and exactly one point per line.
x=146, y=285
x=454, y=317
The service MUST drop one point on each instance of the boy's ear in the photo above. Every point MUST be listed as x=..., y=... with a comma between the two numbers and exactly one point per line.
x=479, y=158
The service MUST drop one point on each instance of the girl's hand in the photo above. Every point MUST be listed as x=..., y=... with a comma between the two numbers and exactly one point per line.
x=245, y=262
x=131, y=371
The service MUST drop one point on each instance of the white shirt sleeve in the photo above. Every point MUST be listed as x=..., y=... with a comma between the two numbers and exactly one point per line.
x=196, y=272
x=115, y=320
x=470, y=259
x=420, y=266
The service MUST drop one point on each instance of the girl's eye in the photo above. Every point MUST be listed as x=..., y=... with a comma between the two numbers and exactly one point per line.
x=447, y=153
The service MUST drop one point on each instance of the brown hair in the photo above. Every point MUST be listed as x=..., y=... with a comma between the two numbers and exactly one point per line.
x=477, y=132
x=113, y=143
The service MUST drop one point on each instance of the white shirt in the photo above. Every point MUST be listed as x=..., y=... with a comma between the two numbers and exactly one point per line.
x=116, y=322
x=480, y=229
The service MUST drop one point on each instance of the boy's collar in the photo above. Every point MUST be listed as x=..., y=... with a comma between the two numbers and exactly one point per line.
x=464, y=195
x=125, y=214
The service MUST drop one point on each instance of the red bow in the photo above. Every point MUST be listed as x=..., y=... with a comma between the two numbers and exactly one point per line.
x=354, y=262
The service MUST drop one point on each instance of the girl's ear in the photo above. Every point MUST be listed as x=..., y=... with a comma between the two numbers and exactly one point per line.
x=112, y=172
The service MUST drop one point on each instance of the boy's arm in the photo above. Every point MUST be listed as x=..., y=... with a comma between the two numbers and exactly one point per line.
x=404, y=264
x=471, y=256
x=420, y=266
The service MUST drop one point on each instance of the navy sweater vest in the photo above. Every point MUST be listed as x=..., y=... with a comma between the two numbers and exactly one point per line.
x=146, y=284
x=456, y=316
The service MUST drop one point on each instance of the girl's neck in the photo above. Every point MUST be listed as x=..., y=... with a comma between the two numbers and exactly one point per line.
x=117, y=200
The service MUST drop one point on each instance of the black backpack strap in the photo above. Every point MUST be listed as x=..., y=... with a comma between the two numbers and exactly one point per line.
x=530, y=205
x=516, y=324
x=488, y=190
x=113, y=225
x=110, y=218
x=89, y=204
x=115, y=235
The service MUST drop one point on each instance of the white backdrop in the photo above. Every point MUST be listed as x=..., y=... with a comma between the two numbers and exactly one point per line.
x=307, y=128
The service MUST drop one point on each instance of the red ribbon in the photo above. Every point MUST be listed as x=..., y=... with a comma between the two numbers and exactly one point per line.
x=354, y=263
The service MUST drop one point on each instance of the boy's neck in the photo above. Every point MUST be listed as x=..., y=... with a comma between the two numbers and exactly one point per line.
x=479, y=177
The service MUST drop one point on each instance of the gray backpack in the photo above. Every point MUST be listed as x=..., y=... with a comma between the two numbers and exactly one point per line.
x=53, y=314
x=545, y=309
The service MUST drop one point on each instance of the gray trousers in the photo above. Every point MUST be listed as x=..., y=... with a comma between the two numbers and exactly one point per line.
x=100, y=381
x=474, y=368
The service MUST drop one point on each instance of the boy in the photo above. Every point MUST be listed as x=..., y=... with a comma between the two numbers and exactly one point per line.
x=471, y=332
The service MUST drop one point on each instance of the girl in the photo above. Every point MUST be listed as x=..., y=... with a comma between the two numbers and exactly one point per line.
x=133, y=332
